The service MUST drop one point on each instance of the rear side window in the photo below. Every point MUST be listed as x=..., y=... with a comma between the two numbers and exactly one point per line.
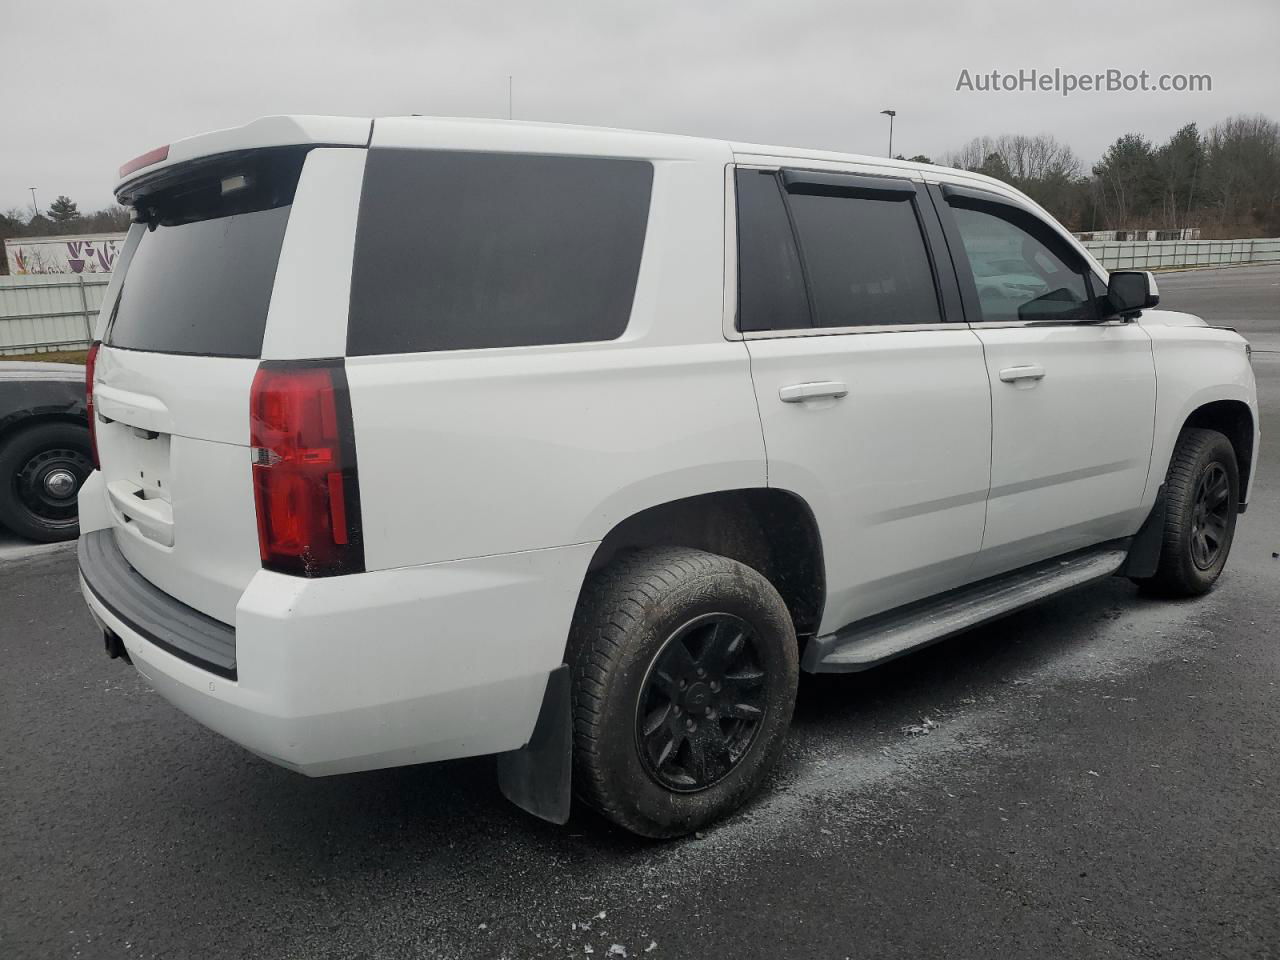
x=200, y=279
x=771, y=293
x=458, y=250
x=865, y=259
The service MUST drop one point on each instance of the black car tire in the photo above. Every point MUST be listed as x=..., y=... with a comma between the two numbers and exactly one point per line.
x=646, y=617
x=1202, y=499
x=34, y=462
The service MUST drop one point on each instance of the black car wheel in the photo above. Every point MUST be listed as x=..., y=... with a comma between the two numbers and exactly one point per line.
x=42, y=468
x=685, y=667
x=1202, y=493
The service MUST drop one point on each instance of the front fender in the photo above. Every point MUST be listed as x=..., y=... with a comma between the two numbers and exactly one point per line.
x=1195, y=366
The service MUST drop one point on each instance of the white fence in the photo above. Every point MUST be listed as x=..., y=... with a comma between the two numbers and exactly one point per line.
x=1154, y=254
x=49, y=312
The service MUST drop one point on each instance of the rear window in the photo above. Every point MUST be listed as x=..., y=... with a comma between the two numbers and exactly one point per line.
x=200, y=279
x=458, y=250
x=866, y=261
x=771, y=292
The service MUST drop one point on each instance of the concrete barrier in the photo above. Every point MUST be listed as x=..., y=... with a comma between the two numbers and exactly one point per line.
x=1167, y=254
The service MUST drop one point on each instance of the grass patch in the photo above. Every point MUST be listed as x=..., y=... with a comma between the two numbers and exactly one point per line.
x=54, y=356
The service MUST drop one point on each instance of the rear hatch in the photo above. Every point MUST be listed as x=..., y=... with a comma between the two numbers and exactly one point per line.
x=173, y=375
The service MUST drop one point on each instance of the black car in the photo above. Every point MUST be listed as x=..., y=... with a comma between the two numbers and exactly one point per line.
x=45, y=451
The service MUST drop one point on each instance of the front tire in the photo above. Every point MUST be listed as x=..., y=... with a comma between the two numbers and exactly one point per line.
x=685, y=668
x=1202, y=499
x=42, y=468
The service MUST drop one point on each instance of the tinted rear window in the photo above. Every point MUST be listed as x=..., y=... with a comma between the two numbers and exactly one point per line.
x=458, y=250
x=200, y=280
x=866, y=261
x=771, y=294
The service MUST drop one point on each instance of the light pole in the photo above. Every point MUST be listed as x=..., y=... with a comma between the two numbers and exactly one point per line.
x=34, y=206
x=890, y=114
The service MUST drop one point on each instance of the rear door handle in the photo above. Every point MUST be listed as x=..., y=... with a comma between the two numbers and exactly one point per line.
x=800, y=392
x=1030, y=371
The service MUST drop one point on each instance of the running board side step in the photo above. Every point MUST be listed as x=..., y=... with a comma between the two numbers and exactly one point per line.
x=871, y=642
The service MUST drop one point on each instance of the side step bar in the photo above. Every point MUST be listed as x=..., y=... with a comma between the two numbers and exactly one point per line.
x=871, y=642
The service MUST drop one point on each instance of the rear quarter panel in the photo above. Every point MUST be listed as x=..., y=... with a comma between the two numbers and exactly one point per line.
x=474, y=452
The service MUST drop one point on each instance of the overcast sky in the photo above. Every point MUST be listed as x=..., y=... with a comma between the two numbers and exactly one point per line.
x=89, y=85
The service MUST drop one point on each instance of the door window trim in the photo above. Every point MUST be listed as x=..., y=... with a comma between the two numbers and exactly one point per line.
x=827, y=182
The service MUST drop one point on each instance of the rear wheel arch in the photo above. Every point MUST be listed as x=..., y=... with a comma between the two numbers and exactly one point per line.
x=772, y=531
x=15, y=425
x=1234, y=420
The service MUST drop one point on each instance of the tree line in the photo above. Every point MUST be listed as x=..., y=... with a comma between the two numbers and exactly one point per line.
x=63, y=216
x=1225, y=181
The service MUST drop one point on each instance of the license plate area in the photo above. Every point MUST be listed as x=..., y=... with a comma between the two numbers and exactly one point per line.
x=137, y=455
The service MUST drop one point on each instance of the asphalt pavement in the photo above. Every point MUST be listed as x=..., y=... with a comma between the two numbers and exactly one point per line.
x=1096, y=777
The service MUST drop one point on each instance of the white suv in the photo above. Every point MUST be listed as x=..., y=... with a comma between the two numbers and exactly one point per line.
x=427, y=438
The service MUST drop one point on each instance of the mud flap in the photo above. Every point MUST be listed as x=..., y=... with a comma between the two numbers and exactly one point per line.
x=537, y=778
x=1144, y=552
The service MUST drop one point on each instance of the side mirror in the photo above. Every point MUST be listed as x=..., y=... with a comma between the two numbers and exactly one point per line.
x=1132, y=291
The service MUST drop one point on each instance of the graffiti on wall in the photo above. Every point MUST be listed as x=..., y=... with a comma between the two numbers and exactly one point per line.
x=63, y=256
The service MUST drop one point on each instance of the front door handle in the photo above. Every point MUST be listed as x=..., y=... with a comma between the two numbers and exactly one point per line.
x=800, y=392
x=1030, y=371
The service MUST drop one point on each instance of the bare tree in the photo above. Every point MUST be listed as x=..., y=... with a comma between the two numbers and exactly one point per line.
x=1042, y=167
x=1243, y=157
x=1027, y=158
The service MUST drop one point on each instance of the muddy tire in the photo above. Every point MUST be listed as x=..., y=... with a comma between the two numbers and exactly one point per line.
x=685, y=668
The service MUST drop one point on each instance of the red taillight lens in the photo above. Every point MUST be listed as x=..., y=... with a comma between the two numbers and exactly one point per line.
x=90, y=365
x=304, y=469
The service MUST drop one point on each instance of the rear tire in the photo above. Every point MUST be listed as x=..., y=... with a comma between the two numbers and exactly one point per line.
x=42, y=468
x=685, y=667
x=1202, y=499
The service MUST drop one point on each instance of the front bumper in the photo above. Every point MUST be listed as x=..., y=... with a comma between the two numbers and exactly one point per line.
x=370, y=670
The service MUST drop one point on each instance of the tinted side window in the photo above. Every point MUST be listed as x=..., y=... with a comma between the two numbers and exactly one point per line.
x=457, y=250
x=1022, y=271
x=771, y=293
x=865, y=259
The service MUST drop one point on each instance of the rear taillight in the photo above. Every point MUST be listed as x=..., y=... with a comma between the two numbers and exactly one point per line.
x=304, y=469
x=90, y=364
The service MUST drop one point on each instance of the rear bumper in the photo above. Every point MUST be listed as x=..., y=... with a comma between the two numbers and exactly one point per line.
x=149, y=612
x=365, y=671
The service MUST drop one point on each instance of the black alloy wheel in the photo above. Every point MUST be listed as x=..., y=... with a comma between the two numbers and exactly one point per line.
x=1210, y=515
x=701, y=703
x=1201, y=502
x=684, y=665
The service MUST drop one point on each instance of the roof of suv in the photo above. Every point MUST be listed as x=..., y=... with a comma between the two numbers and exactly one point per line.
x=527, y=134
